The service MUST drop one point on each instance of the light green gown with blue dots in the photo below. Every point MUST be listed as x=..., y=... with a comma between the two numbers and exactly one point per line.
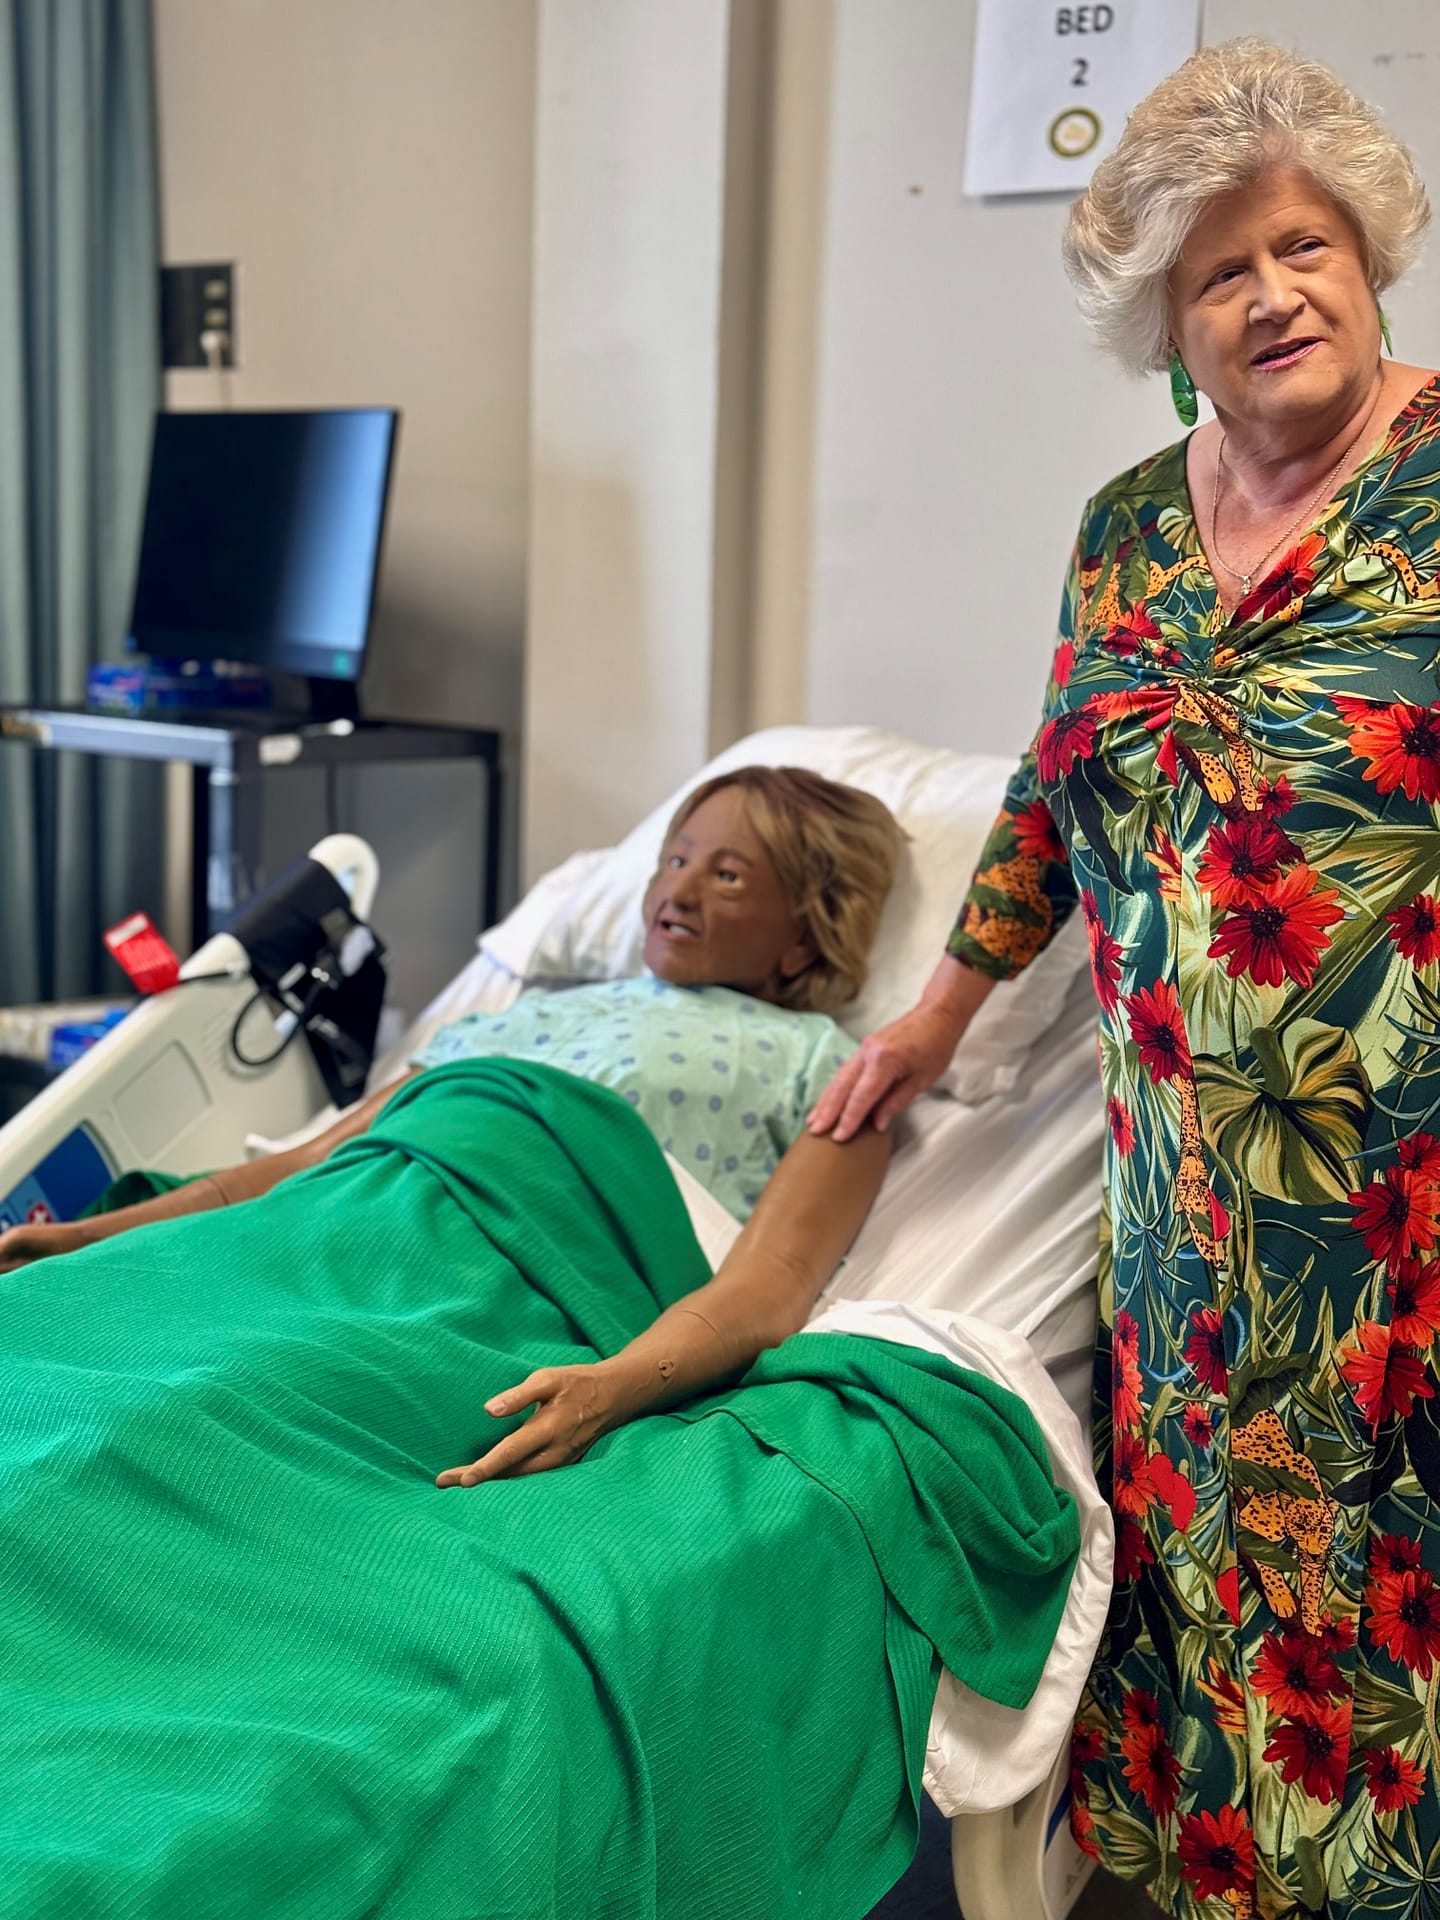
x=723, y=1081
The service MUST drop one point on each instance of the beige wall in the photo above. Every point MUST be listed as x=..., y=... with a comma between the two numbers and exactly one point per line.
x=629, y=392
x=367, y=163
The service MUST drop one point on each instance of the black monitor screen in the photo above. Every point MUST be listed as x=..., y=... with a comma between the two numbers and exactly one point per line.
x=262, y=538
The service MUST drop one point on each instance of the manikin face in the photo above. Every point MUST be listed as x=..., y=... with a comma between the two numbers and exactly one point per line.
x=716, y=913
x=1271, y=307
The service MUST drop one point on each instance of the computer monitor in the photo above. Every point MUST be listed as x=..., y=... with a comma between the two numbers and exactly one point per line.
x=262, y=540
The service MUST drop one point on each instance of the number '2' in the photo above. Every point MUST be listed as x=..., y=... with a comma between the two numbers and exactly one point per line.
x=1081, y=75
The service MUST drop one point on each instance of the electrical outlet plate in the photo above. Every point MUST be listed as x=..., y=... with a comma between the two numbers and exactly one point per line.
x=195, y=300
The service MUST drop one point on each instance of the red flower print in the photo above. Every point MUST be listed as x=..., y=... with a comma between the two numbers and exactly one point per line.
x=1416, y=929
x=1036, y=835
x=1336, y=1635
x=1227, y=1590
x=1122, y=1126
x=1082, y=1828
x=1157, y=1027
x=1419, y=1153
x=1205, y=1349
x=1314, y=1751
x=1399, y=1214
x=1276, y=797
x=1387, y=1377
x=1415, y=1298
x=1166, y=862
x=1281, y=932
x=1140, y=1710
x=1125, y=635
x=1126, y=1380
x=1393, y=1553
x=1394, y=1781
x=1125, y=1403
x=1089, y=911
x=1156, y=707
x=1228, y=1698
x=1401, y=743
x=1294, y=1674
x=1288, y=581
x=1064, y=740
x=1153, y=1772
x=1242, y=858
x=1132, y=1549
x=1087, y=1745
x=1199, y=1425
x=1135, y=1490
x=1063, y=664
x=1174, y=1490
x=1405, y=1618
x=1217, y=1852
x=1106, y=956
x=1219, y=1219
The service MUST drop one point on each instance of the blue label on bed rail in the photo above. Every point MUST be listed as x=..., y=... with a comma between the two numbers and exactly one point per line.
x=66, y=1181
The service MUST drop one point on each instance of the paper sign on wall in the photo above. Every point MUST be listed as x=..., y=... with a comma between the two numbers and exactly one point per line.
x=1054, y=83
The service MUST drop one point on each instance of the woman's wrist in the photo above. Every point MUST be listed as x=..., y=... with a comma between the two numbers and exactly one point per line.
x=954, y=993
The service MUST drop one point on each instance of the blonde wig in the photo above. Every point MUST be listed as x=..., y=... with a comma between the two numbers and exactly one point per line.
x=1230, y=114
x=835, y=850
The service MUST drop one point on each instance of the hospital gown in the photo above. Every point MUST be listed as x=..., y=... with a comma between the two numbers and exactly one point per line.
x=723, y=1080
x=1244, y=810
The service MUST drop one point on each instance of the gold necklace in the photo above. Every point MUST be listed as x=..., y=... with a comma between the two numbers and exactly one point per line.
x=1294, y=527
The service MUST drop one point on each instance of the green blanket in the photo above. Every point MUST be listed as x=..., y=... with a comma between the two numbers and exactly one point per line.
x=253, y=1664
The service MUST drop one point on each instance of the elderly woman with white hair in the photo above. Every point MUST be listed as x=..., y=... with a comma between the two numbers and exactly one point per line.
x=1236, y=780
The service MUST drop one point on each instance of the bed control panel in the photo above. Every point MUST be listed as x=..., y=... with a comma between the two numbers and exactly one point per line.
x=67, y=1180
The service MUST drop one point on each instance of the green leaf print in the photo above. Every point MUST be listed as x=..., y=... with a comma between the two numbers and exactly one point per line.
x=1135, y=1851
x=1293, y=1128
x=1310, y=1865
x=1385, y=1715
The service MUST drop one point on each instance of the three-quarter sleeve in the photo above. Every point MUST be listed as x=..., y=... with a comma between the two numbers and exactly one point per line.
x=1023, y=891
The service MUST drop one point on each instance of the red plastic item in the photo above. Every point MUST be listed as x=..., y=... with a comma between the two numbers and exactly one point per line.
x=146, y=956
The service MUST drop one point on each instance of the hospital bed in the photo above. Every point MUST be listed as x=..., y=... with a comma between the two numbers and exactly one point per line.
x=981, y=1247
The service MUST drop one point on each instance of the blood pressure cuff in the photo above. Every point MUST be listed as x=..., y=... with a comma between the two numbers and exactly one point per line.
x=325, y=967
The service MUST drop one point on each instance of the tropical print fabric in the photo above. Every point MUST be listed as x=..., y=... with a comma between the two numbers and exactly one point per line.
x=1245, y=811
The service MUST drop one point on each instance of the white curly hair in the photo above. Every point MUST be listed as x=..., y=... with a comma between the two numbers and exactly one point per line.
x=1231, y=114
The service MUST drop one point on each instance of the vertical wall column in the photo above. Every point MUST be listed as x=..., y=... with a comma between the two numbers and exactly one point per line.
x=638, y=436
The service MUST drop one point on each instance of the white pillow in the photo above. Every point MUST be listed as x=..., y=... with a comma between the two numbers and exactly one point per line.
x=582, y=921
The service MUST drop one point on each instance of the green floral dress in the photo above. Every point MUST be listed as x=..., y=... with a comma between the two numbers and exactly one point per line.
x=1245, y=812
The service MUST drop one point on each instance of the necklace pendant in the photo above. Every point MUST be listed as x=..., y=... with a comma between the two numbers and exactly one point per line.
x=1245, y=584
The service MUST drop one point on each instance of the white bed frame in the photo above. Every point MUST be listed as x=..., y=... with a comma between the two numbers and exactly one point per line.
x=164, y=1090
x=1022, y=1863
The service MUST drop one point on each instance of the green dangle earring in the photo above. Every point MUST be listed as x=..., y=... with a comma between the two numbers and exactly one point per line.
x=1182, y=391
x=1385, y=330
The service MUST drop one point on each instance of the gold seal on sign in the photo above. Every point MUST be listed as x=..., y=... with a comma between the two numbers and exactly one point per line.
x=1074, y=132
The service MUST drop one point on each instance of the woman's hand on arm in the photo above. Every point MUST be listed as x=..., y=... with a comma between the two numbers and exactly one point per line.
x=23, y=1245
x=897, y=1064
x=808, y=1215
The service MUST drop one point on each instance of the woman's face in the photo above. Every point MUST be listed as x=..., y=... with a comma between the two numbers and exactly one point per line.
x=1270, y=305
x=716, y=913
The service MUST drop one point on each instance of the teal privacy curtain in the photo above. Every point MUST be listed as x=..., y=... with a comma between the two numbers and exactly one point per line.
x=79, y=385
